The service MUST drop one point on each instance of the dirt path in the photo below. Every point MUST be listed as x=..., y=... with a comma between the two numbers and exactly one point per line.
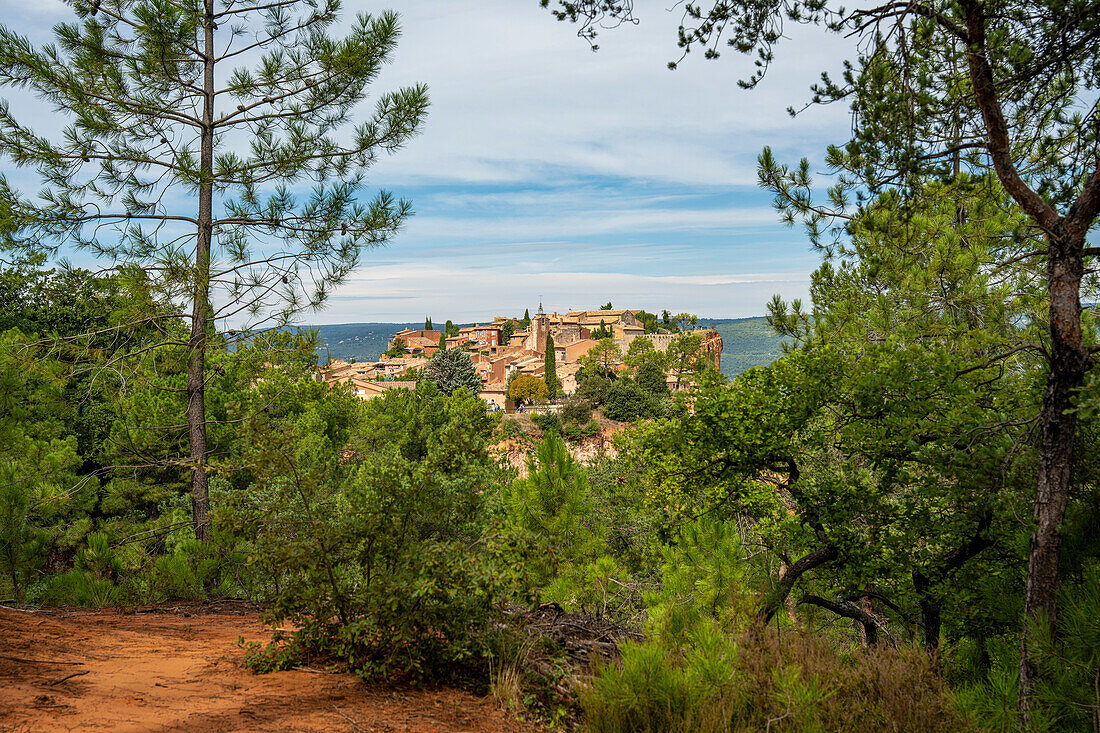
x=181, y=671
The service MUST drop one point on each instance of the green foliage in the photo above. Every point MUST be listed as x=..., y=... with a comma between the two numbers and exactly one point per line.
x=450, y=371
x=42, y=505
x=627, y=402
x=397, y=349
x=719, y=683
x=576, y=410
x=550, y=511
x=650, y=378
x=375, y=556
x=550, y=371
x=527, y=388
x=602, y=358
x=603, y=332
x=594, y=389
x=549, y=422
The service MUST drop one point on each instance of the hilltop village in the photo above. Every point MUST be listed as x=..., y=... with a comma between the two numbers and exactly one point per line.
x=508, y=347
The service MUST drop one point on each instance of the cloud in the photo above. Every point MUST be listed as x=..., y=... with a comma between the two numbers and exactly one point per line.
x=545, y=169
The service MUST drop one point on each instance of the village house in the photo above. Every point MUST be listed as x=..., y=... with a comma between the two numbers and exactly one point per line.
x=574, y=335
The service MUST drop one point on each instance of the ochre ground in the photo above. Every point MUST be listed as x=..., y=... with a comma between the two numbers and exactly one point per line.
x=181, y=671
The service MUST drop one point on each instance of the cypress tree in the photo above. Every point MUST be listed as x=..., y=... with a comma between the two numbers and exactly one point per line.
x=526, y=318
x=550, y=372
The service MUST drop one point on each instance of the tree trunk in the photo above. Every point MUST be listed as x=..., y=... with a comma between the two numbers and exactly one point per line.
x=930, y=611
x=200, y=310
x=787, y=580
x=1068, y=362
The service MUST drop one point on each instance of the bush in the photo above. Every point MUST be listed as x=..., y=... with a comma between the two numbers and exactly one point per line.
x=377, y=550
x=594, y=389
x=651, y=378
x=717, y=683
x=548, y=422
x=576, y=410
x=627, y=402
x=572, y=431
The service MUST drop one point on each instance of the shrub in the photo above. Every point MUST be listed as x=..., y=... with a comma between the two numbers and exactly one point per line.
x=651, y=378
x=594, y=389
x=548, y=422
x=377, y=553
x=716, y=682
x=572, y=431
x=576, y=410
x=626, y=402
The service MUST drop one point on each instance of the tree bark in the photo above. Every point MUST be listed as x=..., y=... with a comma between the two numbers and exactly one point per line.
x=1068, y=363
x=1069, y=359
x=786, y=582
x=848, y=610
x=200, y=309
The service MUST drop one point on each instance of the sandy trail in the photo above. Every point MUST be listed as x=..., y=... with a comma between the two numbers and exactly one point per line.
x=181, y=671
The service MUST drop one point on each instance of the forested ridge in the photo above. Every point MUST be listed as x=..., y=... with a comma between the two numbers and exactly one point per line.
x=893, y=525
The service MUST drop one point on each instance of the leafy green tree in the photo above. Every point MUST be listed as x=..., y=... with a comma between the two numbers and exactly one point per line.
x=397, y=349
x=859, y=428
x=1008, y=88
x=594, y=389
x=451, y=370
x=550, y=372
x=377, y=548
x=651, y=379
x=648, y=320
x=169, y=140
x=602, y=358
x=443, y=342
x=685, y=357
x=684, y=321
x=38, y=462
x=506, y=330
x=626, y=402
x=642, y=351
x=527, y=388
x=450, y=330
x=606, y=306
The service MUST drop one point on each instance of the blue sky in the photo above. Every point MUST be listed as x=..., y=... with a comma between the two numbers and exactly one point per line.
x=545, y=169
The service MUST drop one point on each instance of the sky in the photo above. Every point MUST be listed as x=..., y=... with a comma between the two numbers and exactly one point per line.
x=545, y=171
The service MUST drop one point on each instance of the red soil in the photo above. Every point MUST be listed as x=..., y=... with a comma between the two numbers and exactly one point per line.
x=182, y=671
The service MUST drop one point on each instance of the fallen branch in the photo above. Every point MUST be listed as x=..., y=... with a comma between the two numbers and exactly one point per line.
x=68, y=677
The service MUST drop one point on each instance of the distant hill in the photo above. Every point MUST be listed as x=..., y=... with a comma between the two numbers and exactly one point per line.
x=746, y=342
x=358, y=341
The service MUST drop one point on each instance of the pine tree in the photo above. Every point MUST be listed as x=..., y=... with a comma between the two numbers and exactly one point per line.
x=550, y=372
x=236, y=192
